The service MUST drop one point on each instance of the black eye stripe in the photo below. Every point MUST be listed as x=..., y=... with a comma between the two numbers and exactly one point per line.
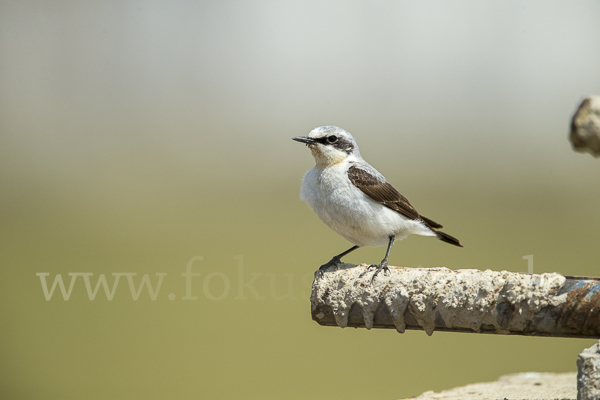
x=326, y=139
x=342, y=143
x=322, y=140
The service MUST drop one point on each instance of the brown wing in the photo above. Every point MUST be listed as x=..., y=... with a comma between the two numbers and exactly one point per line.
x=382, y=192
x=431, y=223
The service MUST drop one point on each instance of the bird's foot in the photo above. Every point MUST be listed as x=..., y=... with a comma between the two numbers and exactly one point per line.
x=379, y=267
x=331, y=263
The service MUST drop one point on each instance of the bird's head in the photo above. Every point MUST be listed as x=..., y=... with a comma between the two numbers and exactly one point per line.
x=330, y=145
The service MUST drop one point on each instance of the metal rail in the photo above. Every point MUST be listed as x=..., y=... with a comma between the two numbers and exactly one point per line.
x=440, y=299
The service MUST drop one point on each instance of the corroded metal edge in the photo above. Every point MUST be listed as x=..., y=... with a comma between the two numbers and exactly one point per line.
x=578, y=316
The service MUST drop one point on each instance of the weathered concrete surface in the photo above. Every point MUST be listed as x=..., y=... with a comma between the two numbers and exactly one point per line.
x=585, y=127
x=465, y=300
x=588, y=375
x=529, y=385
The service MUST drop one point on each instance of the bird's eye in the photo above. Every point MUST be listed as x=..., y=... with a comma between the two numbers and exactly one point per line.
x=332, y=139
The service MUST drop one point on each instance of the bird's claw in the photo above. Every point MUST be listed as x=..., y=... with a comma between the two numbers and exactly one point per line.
x=331, y=263
x=379, y=267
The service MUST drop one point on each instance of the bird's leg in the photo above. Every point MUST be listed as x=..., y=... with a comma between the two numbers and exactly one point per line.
x=383, y=266
x=337, y=259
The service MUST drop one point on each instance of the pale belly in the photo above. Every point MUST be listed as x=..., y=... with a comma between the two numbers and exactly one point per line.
x=352, y=214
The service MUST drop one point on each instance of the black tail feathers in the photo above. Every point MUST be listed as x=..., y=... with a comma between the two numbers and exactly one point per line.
x=444, y=237
x=431, y=223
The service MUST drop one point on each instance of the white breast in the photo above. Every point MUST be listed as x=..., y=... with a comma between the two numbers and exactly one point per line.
x=349, y=212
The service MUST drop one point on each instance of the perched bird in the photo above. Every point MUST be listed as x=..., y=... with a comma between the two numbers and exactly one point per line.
x=355, y=200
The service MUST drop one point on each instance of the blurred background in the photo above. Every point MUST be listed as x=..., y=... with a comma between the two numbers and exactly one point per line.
x=145, y=136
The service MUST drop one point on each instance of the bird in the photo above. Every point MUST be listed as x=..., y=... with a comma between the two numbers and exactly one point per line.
x=356, y=201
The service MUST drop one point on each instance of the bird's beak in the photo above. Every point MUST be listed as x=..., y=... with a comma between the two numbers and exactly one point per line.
x=304, y=139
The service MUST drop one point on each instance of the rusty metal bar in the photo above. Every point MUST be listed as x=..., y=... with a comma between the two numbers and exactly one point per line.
x=585, y=127
x=440, y=299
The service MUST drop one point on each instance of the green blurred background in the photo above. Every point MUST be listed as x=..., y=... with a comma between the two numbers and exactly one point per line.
x=136, y=135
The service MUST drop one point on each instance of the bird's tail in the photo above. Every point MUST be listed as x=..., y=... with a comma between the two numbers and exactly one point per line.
x=431, y=224
x=444, y=237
